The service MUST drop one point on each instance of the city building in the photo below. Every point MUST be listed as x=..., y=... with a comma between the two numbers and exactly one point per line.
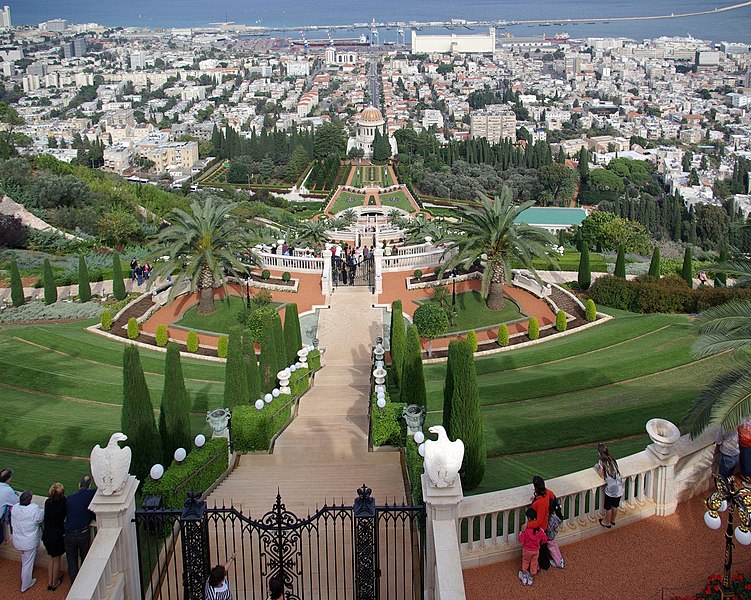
x=432, y=117
x=117, y=158
x=478, y=43
x=298, y=68
x=333, y=57
x=5, y=22
x=367, y=122
x=75, y=48
x=495, y=123
x=167, y=155
x=57, y=25
x=138, y=60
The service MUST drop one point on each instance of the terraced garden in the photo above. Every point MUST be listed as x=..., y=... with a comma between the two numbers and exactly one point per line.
x=564, y=396
x=347, y=200
x=61, y=390
x=397, y=200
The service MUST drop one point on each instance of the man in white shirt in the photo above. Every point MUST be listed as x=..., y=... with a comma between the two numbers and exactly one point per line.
x=26, y=518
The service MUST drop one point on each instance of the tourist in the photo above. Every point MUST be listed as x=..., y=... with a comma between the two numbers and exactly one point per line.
x=276, y=588
x=25, y=520
x=541, y=502
x=133, y=265
x=365, y=253
x=554, y=522
x=53, y=537
x=217, y=586
x=139, y=273
x=147, y=270
x=77, y=521
x=744, y=446
x=8, y=498
x=607, y=468
x=531, y=539
x=702, y=279
x=727, y=444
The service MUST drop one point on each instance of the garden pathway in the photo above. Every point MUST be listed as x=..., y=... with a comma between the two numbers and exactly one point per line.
x=323, y=454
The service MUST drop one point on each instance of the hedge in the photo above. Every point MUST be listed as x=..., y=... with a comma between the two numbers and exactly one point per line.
x=50, y=287
x=106, y=320
x=560, y=321
x=265, y=274
x=222, y=345
x=415, y=468
x=16, y=285
x=133, y=328
x=503, y=335
x=314, y=360
x=472, y=339
x=590, y=310
x=533, y=328
x=192, y=342
x=162, y=336
x=84, y=287
x=387, y=426
x=179, y=473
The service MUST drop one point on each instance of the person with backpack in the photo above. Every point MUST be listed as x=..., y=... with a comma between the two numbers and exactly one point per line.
x=554, y=522
x=541, y=502
x=607, y=468
x=531, y=539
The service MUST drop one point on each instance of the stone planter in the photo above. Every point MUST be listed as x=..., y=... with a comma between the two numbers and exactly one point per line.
x=283, y=377
x=380, y=376
x=664, y=435
x=218, y=420
x=303, y=356
x=414, y=415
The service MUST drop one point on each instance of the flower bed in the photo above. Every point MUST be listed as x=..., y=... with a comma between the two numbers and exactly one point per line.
x=740, y=586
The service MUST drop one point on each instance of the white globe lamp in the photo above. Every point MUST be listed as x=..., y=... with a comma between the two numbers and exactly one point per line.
x=268, y=398
x=200, y=440
x=275, y=392
x=156, y=471
x=419, y=437
x=381, y=402
x=421, y=450
x=180, y=454
x=712, y=521
x=743, y=536
x=259, y=404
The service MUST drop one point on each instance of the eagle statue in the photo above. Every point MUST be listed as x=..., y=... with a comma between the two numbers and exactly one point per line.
x=443, y=458
x=110, y=465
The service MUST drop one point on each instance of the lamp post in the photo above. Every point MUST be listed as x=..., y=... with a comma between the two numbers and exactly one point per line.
x=731, y=497
x=247, y=290
x=452, y=275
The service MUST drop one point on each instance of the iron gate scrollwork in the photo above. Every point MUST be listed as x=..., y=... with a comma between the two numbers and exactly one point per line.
x=353, y=271
x=363, y=551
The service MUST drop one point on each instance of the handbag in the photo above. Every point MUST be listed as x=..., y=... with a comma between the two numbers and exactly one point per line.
x=544, y=557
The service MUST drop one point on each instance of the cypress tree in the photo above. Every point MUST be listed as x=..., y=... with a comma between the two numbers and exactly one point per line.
x=686, y=270
x=137, y=419
x=413, y=388
x=654, y=264
x=466, y=418
x=397, y=340
x=251, y=365
x=292, y=334
x=16, y=285
x=84, y=289
x=235, y=377
x=174, y=420
x=118, y=285
x=585, y=273
x=448, y=388
x=279, y=347
x=720, y=279
x=267, y=365
x=620, y=263
x=50, y=288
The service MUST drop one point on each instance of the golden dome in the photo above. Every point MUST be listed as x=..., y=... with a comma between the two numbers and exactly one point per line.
x=370, y=115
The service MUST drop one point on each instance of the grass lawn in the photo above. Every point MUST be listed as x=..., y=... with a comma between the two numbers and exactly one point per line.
x=397, y=200
x=347, y=200
x=570, y=262
x=599, y=385
x=221, y=320
x=473, y=313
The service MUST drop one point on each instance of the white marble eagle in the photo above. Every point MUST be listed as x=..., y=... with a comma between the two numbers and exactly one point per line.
x=443, y=458
x=110, y=465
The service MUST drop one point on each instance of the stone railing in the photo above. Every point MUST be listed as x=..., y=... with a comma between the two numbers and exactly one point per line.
x=526, y=282
x=426, y=259
x=302, y=264
x=416, y=249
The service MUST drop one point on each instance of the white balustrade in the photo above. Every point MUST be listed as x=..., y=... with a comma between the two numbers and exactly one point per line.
x=304, y=264
x=401, y=262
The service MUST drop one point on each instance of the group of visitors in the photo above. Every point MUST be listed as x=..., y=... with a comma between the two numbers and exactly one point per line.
x=345, y=261
x=540, y=548
x=139, y=272
x=62, y=526
x=735, y=449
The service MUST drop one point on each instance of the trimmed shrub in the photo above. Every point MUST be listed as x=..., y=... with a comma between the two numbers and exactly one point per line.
x=503, y=335
x=612, y=291
x=252, y=428
x=174, y=411
x=50, y=287
x=448, y=387
x=590, y=310
x=286, y=276
x=417, y=274
x=251, y=367
x=533, y=328
x=265, y=274
x=686, y=272
x=279, y=347
x=560, y=321
x=314, y=360
x=162, y=336
x=413, y=380
x=585, y=272
x=235, y=375
x=415, y=468
x=118, y=285
x=16, y=285
x=720, y=279
x=255, y=320
x=192, y=342
x=222, y=345
x=654, y=264
x=387, y=426
x=200, y=469
x=431, y=321
x=620, y=263
x=84, y=288
x=292, y=333
x=106, y=320
x=397, y=340
x=472, y=339
x=133, y=329
x=267, y=365
x=137, y=419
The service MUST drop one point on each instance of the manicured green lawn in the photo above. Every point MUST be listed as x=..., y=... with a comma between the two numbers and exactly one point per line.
x=570, y=262
x=473, y=313
x=347, y=200
x=397, y=200
x=38, y=473
x=220, y=321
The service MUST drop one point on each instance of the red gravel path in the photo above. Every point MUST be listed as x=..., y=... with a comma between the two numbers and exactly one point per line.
x=634, y=561
x=10, y=583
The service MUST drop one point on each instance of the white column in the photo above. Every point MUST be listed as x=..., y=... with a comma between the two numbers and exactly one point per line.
x=377, y=265
x=327, y=284
x=664, y=435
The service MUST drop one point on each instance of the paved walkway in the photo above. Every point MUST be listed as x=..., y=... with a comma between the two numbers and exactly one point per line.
x=100, y=288
x=323, y=455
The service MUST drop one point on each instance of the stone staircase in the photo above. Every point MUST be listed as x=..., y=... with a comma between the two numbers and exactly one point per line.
x=565, y=303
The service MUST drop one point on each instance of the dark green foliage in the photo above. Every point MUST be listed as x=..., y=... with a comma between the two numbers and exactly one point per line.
x=560, y=321
x=654, y=264
x=533, y=328
x=397, y=340
x=466, y=418
x=267, y=364
x=16, y=286
x=286, y=276
x=292, y=333
x=137, y=420
x=431, y=321
x=50, y=287
x=200, y=469
x=251, y=366
x=590, y=310
x=585, y=272
x=133, y=329
x=448, y=387
x=174, y=412
x=620, y=263
x=417, y=274
x=686, y=271
x=118, y=285
x=413, y=380
x=503, y=335
x=235, y=376
x=415, y=468
x=192, y=342
x=720, y=279
x=279, y=347
x=387, y=426
x=84, y=289
x=254, y=319
x=314, y=360
x=265, y=274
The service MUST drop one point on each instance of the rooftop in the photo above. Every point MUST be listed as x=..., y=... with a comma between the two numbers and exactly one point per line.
x=552, y=216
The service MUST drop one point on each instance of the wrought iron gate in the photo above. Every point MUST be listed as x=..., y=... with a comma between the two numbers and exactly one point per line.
x=352, y=272
x=364, y=551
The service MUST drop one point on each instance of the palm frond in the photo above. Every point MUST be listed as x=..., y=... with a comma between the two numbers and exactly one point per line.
x=726, y=401
x=724, y=327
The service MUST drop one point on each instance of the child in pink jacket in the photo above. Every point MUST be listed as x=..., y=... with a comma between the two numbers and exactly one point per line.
x=530, y=539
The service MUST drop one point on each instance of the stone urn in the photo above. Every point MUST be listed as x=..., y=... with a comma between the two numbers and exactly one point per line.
x=218, y=420
x=283, y=377
x=380, y=375
x=303, y=356
x=414, y=415
x=379, y=352
x=664, y=435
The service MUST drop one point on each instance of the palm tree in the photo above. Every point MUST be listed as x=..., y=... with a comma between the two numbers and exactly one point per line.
x=206, y=243
x=348, y=217
x=421, y=227
x=490, y=233
x=312, y=233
